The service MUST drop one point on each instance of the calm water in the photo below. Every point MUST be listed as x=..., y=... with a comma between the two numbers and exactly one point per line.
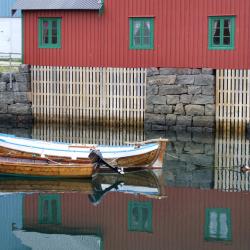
x=200, y=200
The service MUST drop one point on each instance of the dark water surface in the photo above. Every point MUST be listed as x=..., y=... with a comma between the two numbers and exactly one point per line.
x=200, y=200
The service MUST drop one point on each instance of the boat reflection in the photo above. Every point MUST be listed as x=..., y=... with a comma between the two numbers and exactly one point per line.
x=144, y=182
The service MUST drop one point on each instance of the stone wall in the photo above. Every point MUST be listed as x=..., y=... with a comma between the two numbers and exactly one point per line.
x=180, y=99
x=15, y=103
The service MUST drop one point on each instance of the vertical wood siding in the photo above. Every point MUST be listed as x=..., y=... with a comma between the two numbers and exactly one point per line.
x=180, y=35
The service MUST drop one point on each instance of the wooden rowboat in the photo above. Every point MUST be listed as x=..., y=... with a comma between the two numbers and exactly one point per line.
x=44, y=168
x=138, y=154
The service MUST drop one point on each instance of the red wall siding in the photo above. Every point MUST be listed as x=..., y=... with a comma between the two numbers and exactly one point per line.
x=178, y=220
x=181, y=35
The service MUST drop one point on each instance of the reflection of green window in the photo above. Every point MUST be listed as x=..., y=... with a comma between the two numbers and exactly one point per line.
x=218, y=224
x=49, y=32
x=221, y=32
x=141, y=33
x=140, y=216
x=49, y=209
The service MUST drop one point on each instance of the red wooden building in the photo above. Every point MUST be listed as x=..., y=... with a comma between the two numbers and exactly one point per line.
x=181, y=221
x=137, y=33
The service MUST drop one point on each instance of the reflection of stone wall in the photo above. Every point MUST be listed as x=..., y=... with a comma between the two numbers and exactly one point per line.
x=189, y=160
x=180, y=99
x=15, y=104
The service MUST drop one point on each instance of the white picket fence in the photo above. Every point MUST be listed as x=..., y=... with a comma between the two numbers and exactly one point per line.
x=107, y=96
x=232, y=100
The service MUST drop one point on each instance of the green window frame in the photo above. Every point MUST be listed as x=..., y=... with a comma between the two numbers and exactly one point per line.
x=221, y=33
x=140, y=216
x=141, y=33
x=49, y=31
x=49, y=209
x=218, y=226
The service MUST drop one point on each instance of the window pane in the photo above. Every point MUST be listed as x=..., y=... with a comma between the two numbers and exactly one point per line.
x=145, y=218
x=54, y=211
x=146, y=41
x=137, y=28
x=147, y=28
x=216, y=40
x=216, y=28
x=54, y=32
x=45, y=34
x=45, y=212
x=226, y=40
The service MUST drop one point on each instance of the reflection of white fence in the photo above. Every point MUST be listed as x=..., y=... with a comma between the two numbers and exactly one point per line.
x=110, y=96
x=232, y=99
x=231, y=151
x=72, y=133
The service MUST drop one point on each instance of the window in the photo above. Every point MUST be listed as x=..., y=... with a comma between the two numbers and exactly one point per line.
x=140, y=216
x=221, y=33
x=141, y=33
x=218, y=224
x=49, y=32
x=49, y=209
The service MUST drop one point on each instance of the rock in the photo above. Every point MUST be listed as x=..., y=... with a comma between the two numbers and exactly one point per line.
x=3, y=109
x=167, y=71
x=155, y=119
x=194, y=110
x=152, y=90
x=196, y=71
x=3, y=86
x=186, y=99
x=24, y=68
x=23, y=77
x=150, y=108
x=20, y=86
x=6, y=97
x=7, y=120
x=179, y=109
x=173, y=99
x=184, y=71
x=204, y=121
x=162, y=80
x=170, y=119
x=172, y=90
x=163, y=109
x=210, y=109
x=208, y=90
x=185, y=79
x=5, y=77
x=24, y=121
x=158, y=127
x=194, y=90
x=203, y=99
x=156, y=100
x=207, y=71
x=204, y=80
x=19, y=109
x=178, y=128
x=184, y=120
x=152, y=72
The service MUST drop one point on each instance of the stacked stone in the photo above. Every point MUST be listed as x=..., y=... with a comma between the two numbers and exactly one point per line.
x=15, y=103
x=180, y=99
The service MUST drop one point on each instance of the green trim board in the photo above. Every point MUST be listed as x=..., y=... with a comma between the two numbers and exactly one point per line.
x=141, y=33
x=49, y=32
x=49, y=209
x=140, y=216
x=221, y=33
x=218, y=225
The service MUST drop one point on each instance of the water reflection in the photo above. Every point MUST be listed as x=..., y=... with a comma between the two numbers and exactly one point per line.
x=198, y=209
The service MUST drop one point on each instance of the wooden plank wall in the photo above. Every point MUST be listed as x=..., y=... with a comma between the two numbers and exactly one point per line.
x=232, y=149
x=73, y=133
x=232, y=100
x=106, y=96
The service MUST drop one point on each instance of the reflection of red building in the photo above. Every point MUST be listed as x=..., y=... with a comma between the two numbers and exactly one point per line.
x=178, y=221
